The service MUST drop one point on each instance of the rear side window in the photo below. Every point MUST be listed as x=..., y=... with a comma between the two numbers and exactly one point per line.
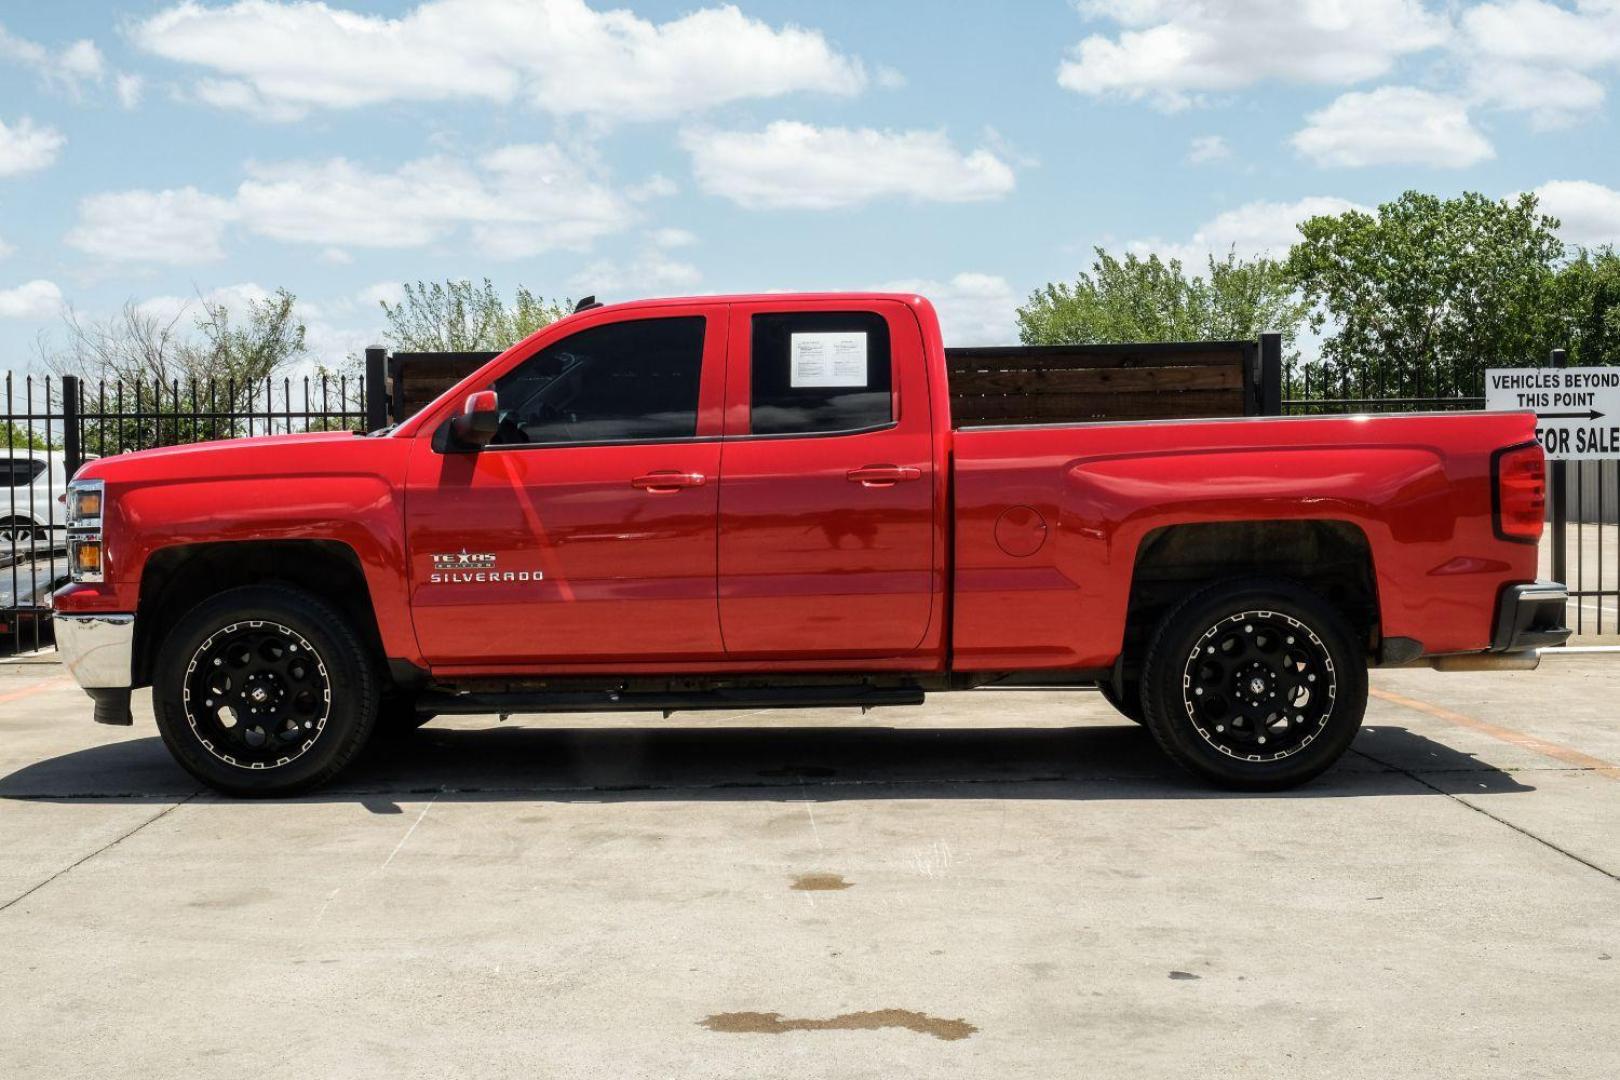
x=621, y=382
x=19, y=472
x=820, y=371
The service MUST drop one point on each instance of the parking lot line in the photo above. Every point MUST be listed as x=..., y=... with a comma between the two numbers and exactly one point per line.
x=1553, y=750
x=51, y=683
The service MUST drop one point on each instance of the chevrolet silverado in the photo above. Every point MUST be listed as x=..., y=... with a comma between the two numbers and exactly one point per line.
x=761, y=501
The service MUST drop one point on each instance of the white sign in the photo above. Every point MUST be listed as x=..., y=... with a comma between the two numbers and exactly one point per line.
x=1577, y=409
x=827, y=359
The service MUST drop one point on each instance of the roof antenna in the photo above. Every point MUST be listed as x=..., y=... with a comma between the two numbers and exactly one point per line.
x=586, y=304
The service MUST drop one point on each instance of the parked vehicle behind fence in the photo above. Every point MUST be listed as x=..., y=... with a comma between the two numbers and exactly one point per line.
x=29, y=500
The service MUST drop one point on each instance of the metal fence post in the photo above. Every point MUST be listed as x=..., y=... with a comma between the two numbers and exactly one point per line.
x=1560, y=556
x=72, y=435
x=1271, y=374
x=376, y=388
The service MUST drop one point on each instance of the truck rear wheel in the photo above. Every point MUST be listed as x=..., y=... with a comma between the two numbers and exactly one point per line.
x=264, y=691
x=1256, y=684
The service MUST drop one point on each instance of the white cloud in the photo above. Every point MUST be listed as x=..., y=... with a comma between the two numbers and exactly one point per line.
x=791, y=164
x=1589, y=213
x=176, y=225
x=560, y=55
x=515, y=202
x=890, y=79
x=1208, y=148
x=1171, y=52
x=25, y=147
x=652, y=273
x=1539, y=57
x=129, y=89
x=68, y=69
x=5, y=248
x=38, y=299
x=1256, y=228
x=335, y=256
x=974, y=309
x=391, y=292
x=673, y=238
x=1393, y=125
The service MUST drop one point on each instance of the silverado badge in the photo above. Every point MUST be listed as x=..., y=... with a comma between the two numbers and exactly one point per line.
x=454, y=567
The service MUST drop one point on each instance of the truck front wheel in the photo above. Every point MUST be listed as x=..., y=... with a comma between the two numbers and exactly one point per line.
x=1256, y=684
x=264, y=691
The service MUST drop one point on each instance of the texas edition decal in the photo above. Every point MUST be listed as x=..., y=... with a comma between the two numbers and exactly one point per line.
x=458, y=567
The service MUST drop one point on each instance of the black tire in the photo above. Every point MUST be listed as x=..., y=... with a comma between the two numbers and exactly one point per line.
x=397, y=715
x=313, y=692
x=1129, y=706
x=1256, y=684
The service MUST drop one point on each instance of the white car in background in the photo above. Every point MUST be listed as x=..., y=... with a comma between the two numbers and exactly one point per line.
x=30, y=481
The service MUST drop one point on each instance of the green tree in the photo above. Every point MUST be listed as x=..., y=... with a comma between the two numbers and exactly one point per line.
x=1136, y=299
x=17, y=437
x=1419, y=298
x=157, y=366
x=1586, y=316
x=458, y=316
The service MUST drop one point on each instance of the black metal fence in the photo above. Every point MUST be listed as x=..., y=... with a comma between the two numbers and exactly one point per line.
x=1582, y=546
x=53, y=425
x=1316, y=389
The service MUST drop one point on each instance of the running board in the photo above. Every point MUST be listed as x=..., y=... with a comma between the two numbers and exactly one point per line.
x=786, y=697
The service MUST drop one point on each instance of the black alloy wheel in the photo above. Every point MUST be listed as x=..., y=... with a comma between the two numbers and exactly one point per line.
x=264, y=690
x=1259, y=685
x=257, y=695
x=1255, y=683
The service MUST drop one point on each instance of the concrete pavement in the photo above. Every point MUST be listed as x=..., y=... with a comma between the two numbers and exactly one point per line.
x=1000, y=884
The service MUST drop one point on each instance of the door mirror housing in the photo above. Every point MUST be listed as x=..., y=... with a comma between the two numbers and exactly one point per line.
x=479, y=420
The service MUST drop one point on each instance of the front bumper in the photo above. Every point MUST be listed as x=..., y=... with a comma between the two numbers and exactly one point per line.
x=99, y=651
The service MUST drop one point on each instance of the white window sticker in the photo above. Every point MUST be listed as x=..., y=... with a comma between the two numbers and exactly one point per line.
x=827, y=359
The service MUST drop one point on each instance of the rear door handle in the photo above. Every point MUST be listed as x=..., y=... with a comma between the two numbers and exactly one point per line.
x=883, y=475
x=663, y=481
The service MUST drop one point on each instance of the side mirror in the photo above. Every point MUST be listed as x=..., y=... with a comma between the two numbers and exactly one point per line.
x=479, y=420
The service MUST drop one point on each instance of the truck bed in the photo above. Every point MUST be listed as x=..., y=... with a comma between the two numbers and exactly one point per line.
x=1416, y=488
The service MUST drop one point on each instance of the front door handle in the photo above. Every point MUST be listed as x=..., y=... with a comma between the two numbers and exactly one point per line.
x=664, y=481
x=883, y=475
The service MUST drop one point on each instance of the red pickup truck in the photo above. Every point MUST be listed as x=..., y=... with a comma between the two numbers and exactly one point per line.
x=761, y=501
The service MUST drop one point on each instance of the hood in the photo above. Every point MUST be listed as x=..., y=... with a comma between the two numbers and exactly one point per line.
x=254, y=454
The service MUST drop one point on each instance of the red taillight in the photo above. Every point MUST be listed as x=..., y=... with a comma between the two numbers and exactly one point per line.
x=1519, y=496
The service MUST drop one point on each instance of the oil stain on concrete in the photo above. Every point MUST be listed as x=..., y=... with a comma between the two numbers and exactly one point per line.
x=758, y=1023
x=819, y=883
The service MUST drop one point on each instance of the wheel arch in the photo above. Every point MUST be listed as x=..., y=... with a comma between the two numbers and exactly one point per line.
x=1331, y=557
x=176, y=579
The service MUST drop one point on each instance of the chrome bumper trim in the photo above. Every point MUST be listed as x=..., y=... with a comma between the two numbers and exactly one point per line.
x=98, y=649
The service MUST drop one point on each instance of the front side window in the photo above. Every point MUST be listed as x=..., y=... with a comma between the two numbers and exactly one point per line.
x=620, y=382
x=817, y=372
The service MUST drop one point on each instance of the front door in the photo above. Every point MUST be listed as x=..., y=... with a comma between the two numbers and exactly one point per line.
x=826, y=485
x=585, y=533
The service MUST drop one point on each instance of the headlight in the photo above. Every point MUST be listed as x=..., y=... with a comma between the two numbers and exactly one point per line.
x=84, y=506
x=84, y=503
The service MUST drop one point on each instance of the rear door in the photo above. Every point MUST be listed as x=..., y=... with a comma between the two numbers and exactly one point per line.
x=826, y=483
x=586, y=532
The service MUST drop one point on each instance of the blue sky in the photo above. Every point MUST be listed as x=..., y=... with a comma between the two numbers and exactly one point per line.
x=154, y=151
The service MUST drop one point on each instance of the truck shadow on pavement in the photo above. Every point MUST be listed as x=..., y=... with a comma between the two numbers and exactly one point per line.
x=656, y=763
